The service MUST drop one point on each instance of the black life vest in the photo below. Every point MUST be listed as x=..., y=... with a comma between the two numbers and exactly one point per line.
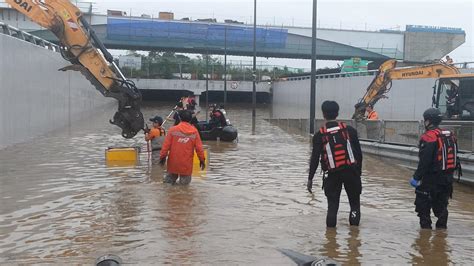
x=337, y=149
x=447, y=153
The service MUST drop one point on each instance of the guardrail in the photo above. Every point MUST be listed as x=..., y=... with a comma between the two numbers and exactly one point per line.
x=396, y=140
x=408, y=132
x=336, y=75
x=25, y=36
x=462, y=65
x=400, y=132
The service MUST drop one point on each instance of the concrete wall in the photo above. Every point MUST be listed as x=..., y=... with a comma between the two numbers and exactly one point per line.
x=426, y=46
x=36, y=98
x=199, y=86
x=406, y=100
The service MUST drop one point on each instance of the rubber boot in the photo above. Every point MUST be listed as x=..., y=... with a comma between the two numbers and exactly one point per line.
x=354, y=217
x=425, y=221
x=331, y=219
x=442, y=220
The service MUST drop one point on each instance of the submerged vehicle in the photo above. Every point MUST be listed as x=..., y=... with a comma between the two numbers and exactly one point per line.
x=218, y=128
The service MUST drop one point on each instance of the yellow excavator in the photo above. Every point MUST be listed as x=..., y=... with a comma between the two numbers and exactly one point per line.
x=453, y=92
x=82, y=48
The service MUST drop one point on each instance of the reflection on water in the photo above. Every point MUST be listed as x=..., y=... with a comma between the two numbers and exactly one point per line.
x=59, y=202
x=342, y=246
x=432, y=248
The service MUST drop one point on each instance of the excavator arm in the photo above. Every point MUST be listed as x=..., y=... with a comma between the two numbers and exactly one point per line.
x=81, y=46
x=387, y=72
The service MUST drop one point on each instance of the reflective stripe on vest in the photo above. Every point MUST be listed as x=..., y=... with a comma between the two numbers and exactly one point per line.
x=330, y=157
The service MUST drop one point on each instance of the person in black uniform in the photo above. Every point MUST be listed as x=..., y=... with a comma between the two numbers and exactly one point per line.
x=433, y=177
x=338, y=147
x=179, y=107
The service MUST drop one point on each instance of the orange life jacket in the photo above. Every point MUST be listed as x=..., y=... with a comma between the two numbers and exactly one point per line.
x=373, y=116
x=337, y=149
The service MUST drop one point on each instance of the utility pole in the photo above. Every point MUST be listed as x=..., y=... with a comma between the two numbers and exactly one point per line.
x=254, y=72
x=312, y=106
x=225, y=66
x=207, y=83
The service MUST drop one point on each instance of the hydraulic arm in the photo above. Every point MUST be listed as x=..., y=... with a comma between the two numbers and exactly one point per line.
x=382, y=83
x=81, y=46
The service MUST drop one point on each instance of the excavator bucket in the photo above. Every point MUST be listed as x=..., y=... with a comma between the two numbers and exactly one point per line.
x=130, y=120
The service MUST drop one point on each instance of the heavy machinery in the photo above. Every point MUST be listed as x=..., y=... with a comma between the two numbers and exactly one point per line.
x=86, y=53
x=453, y=92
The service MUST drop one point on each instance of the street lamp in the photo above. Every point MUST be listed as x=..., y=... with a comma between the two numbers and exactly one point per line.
x=312, y=105
x=254, y=91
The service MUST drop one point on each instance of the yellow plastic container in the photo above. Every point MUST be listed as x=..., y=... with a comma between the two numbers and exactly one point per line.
x=123, y=156
x=197, y=172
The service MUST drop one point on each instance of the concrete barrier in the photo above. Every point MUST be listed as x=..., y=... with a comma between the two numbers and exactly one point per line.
x=36, y=98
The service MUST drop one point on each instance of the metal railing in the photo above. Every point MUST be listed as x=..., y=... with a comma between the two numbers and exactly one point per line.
x=336, y=75
x=25, y=36
x=462, y=65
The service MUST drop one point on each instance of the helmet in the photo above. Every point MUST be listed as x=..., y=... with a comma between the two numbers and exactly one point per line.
x=433, y=115
x=157, y=119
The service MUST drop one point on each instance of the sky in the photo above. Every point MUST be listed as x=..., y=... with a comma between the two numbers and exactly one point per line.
x=346, y=14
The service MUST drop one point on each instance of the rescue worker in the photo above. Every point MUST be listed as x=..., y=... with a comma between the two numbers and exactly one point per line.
x=179, y=146
x=452, y=96
x=433, y=178
x=191, y=102
x=191, y=106
x=449, y=60
x=341, y=160
x=217, y=118
x=371, y=113
x=156, y=134
x=176, y=119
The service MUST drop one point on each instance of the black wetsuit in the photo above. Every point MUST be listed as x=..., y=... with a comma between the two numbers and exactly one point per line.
x=332, y=184
x=436, y=185
x=176, y=118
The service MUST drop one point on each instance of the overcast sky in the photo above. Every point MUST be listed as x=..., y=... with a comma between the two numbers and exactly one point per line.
x=348, y=14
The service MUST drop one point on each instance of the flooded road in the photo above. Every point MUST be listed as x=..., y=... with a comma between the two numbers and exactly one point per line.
x=60, y=203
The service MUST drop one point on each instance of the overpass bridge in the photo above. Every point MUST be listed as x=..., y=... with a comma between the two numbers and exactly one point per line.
x=416, y=44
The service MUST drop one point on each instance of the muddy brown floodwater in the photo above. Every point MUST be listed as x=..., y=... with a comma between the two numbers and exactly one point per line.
x=60, y=203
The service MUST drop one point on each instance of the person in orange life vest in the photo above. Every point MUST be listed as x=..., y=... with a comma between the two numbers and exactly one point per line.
x=157, y=130
x=338, y=147
x=371, y=114
x=433, y=177
x=179, y=146
x=156, y=133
